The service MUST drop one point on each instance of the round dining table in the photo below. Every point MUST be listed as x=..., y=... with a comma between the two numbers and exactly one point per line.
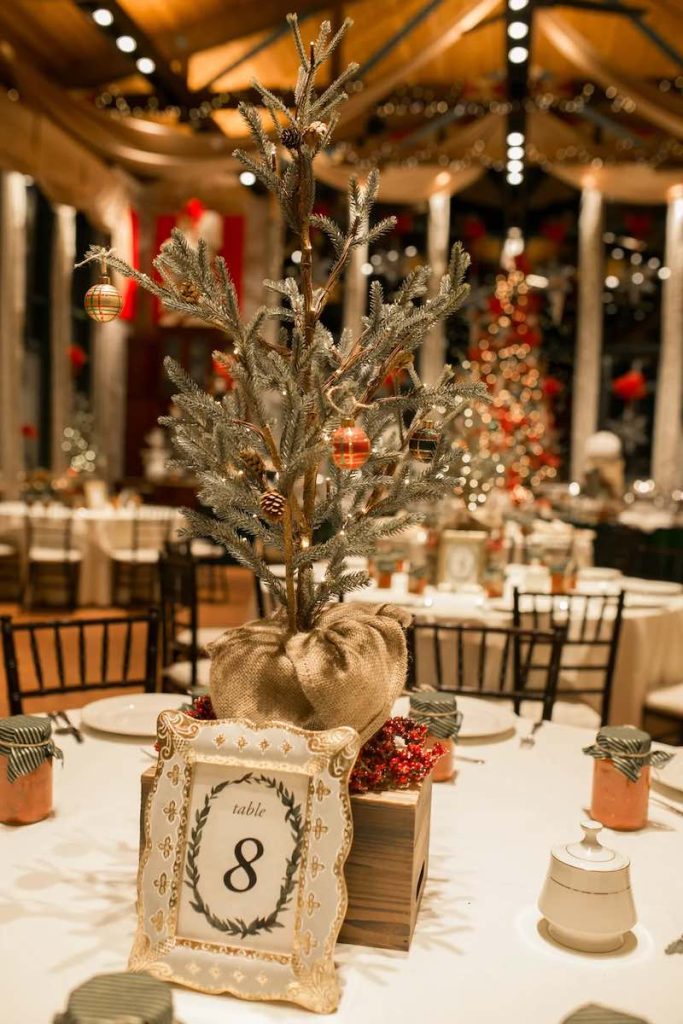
x=480, y=951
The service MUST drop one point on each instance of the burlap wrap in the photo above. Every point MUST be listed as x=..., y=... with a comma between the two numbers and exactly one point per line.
x=348, y=670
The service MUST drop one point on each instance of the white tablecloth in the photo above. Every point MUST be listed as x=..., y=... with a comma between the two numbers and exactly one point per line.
x=97, y=533
x=650, y=651
x=67, y=891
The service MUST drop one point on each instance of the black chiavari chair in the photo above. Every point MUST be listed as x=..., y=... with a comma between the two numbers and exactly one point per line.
x=593, y=626
x=494, y=662
x=50, y=659
x=184, y=667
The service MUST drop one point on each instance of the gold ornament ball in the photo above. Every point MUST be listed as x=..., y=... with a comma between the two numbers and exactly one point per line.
x=103, y=302
x=272, y=505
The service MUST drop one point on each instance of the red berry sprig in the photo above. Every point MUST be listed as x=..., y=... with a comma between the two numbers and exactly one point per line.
x=202, y=708
x=394, y=758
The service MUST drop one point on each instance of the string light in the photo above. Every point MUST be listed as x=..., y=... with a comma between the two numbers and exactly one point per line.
x=248, y=178
x=126, y=44
x=145, y=65
x=102, y=17
x=518, y=54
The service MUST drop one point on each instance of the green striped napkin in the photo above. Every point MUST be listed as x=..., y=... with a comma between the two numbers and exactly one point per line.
x=119, y=999
x=593, y=1013
x=26, y=741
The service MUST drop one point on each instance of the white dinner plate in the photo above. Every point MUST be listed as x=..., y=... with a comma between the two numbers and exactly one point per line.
x=480, y=718
x=671, y=774
x=129, y=716
x=483, y=718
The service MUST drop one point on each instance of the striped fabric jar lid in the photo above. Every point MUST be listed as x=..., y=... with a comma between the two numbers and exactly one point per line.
x=26, y=741
x=438, y=711
x=119, y=999
x=628, y=748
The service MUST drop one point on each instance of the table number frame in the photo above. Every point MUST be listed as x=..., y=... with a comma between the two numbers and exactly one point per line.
x=472, y=546
x=296, y=782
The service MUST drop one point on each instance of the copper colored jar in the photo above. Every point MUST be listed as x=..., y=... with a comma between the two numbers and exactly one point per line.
x=621, y=776
x=618, y=802
x=26, y=754
x=28, y=798
x=444, y=769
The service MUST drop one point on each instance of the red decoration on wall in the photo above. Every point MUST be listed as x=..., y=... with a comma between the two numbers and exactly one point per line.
x=130, y=288
x=554, y=230
x=551, y=387
x=29, y=431
x=77, y=357
x=638, y=224
x=630, y=386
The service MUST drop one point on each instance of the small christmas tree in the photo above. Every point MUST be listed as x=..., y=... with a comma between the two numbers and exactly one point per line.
x=383, y=454
x=511, y=443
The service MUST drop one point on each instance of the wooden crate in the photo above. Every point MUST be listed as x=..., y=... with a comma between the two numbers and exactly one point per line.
x=386, y=869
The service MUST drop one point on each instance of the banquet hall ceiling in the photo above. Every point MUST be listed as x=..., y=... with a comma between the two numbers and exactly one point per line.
x=207, y=52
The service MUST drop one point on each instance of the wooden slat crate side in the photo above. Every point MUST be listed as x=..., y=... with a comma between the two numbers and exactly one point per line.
x=387, y=867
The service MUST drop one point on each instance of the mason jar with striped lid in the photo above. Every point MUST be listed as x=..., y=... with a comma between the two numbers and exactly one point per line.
x=621, y=776
x=438, y=711
x=119, y=999
x=27, y=750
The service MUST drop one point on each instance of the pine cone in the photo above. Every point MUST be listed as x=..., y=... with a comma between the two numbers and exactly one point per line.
x=253, y=463
x=272, y=505
x=189, y=291
x=314, y=135
x=291, y=138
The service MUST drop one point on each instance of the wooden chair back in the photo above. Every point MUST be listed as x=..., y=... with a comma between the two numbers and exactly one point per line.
x=49, y=659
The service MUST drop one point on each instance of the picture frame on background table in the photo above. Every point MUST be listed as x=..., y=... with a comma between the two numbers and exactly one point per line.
x=462, y=557
x=241, y=884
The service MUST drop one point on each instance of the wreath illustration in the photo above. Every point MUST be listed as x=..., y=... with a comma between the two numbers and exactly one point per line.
x=237, y=926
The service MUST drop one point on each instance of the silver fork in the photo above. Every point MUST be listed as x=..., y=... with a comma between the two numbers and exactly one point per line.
x=529, y=739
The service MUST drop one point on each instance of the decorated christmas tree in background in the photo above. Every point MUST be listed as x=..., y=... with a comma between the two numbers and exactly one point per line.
x=381, y=453
x=509, y=444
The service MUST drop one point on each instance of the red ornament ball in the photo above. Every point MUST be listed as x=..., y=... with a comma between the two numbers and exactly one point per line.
x=351, y=446
x=103, y=302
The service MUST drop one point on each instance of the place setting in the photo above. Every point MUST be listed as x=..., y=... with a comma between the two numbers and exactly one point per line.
x=341, y=512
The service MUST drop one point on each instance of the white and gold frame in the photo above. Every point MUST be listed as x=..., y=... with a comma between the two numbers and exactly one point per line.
x=241, y=881
x=461, y=557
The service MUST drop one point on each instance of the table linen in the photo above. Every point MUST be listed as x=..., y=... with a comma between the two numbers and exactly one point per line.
x=67, y=892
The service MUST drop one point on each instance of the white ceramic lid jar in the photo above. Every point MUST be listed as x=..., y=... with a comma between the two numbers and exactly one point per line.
x=587, y=899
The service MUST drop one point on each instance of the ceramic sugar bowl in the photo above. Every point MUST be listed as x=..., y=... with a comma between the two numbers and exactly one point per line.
x=586, y=898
